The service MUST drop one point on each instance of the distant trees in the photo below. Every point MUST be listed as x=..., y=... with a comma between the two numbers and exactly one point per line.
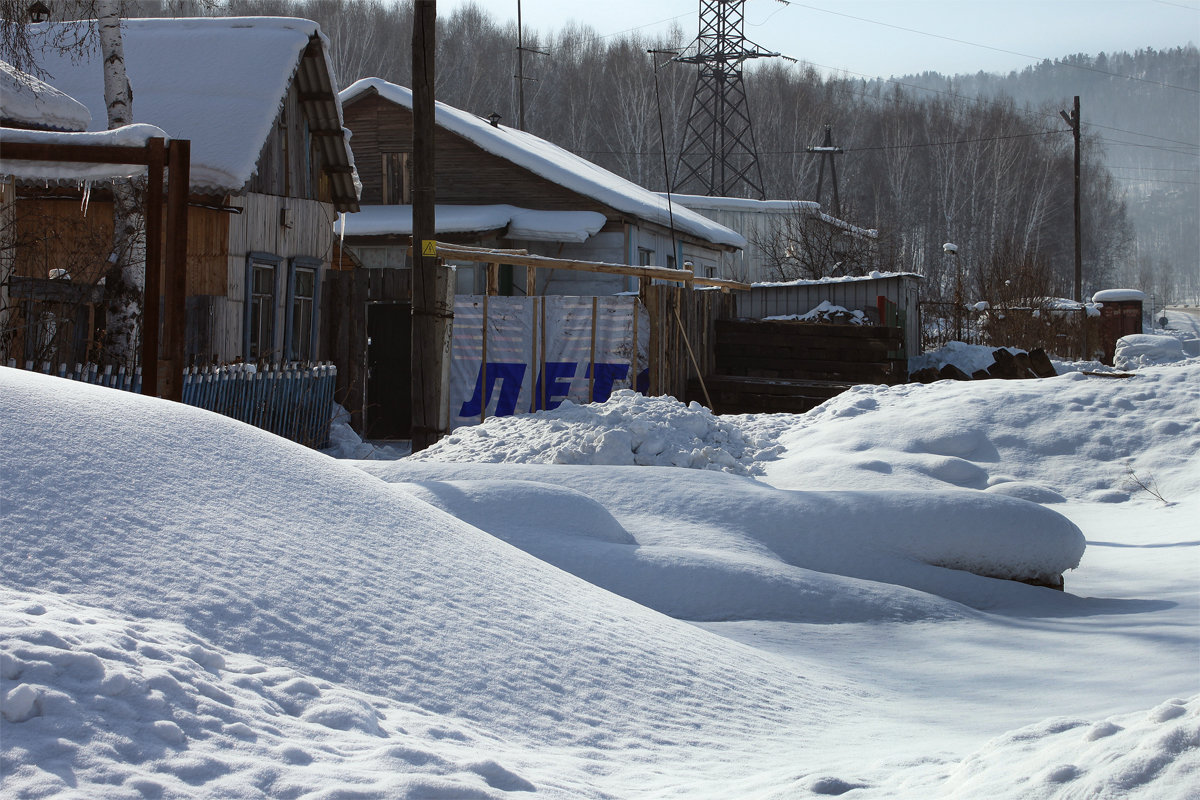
x=980, y=160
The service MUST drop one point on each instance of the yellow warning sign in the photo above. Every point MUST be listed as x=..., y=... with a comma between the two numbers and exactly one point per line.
x=429, y=248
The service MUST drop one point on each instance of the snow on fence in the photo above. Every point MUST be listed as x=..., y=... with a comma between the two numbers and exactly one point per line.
x=290, y=400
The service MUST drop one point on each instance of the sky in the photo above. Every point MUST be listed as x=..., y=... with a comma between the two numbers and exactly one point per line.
x=890, y=37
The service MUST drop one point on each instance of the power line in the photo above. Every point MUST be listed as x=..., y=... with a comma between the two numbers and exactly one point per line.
x=1147, y=135
x=989, y=47
x=947, y=143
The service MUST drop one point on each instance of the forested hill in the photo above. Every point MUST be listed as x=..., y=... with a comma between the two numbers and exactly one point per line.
x=1143, y=108
x=1141, y=118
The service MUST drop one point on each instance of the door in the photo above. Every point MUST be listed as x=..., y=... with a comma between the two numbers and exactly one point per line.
x=388, y=404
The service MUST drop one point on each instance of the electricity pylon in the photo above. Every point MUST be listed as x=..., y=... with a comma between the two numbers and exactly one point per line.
x=718, y=144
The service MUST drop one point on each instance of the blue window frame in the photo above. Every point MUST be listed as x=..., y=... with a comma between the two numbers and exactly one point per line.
x=303, y=308
x=260, y=339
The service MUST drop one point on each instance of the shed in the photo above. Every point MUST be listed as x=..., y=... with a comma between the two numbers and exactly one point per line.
x=1120, y=315
x=899, y=290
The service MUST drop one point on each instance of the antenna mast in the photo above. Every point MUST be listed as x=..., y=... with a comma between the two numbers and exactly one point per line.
x=718, y=148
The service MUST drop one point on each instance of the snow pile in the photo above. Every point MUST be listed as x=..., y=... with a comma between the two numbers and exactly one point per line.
x=190, y=607
x=827, y=312
x=627, y=429
x=1114, y=757
x=1070, y=437
x=1146, y=350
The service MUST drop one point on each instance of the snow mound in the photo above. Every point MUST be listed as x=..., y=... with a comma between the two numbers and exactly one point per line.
x=1074, y=436
x=627, y=429
x=1152, y=754
x=1147, y=350
x=722, y=547
x=190, y=720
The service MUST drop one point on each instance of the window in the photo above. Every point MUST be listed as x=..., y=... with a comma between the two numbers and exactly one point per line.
x=397, y=179
x=261, y=307
x=645, y=257
x=303, y=286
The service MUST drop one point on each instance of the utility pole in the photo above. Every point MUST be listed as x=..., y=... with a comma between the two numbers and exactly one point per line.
x=1073, y=120
x=428, y=321
x=828, y=151
x=521, y=50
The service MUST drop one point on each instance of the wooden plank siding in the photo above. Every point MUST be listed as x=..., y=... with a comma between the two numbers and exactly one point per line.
x=466, y=174
x=289, y=165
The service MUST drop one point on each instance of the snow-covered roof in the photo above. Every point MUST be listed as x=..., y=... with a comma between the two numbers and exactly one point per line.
x=874, y=276
x=520, y=223
x=219, y=82
x=127, y=136
x=700, y=202
x=553, y=163
x=28, y=102
x=1118, y=296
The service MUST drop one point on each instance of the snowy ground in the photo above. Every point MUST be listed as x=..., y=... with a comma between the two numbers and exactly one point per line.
x=552, y=606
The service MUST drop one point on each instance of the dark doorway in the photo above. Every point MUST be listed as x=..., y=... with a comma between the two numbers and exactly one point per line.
x=388, y=403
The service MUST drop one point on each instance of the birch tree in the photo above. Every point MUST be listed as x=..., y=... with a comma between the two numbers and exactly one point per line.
x=125, y=279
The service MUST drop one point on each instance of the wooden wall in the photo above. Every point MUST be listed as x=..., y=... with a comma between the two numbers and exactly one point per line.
x=288, y=164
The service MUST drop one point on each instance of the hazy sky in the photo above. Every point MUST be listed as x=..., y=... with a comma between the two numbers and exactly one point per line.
x=895, y=37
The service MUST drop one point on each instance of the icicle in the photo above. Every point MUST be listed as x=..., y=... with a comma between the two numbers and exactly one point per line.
x=342, y=222
x=87, y=196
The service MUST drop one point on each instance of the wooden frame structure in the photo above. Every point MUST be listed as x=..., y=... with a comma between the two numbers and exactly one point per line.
x=161, y=378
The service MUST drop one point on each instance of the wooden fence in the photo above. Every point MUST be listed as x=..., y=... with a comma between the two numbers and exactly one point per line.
x=289, y=400
x=683, y=336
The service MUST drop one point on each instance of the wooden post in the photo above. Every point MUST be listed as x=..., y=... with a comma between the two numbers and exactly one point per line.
x=592, y=355
x=151, y=306
x=179, y=167
x=542, y=369
x=634, y=374
x=493, y=279
x=483, y=383
x=530, y=281
x=428, y=342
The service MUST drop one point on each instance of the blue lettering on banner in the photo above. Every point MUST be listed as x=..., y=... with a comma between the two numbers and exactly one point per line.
x=606, y=376
x=556, y=375
x=509, y=376
x=557, y=378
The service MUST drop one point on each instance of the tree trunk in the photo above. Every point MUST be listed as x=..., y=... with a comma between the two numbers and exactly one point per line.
x=125, y=278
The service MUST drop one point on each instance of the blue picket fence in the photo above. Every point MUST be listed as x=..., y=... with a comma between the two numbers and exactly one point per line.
x=290, y=400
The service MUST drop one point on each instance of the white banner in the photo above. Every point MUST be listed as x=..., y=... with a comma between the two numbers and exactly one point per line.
x=541, y=351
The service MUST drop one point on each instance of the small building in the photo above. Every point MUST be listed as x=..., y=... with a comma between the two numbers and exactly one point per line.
x=785, y=239
x=270, y=170
x=1120, y=315
x=501, y=187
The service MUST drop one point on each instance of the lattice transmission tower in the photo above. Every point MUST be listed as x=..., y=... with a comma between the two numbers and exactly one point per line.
x=718, y=151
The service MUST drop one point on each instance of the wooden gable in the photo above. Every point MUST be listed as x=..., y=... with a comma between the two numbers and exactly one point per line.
x=305, y=155
x=465, y=173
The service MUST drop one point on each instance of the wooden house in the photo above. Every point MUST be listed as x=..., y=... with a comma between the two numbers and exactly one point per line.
x=271, y=169
x=496, y=186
